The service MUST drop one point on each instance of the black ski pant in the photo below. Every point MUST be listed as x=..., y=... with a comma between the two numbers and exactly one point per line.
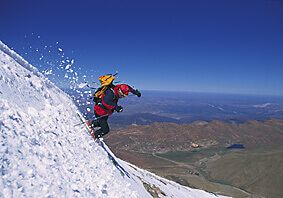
x=102, y=123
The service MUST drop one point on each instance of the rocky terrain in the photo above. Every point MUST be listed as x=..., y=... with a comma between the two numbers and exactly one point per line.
x=162, y=137
x=196, y=154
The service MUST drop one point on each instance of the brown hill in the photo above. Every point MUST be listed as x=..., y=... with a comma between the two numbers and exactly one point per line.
x=195, y=154
x=162, y=137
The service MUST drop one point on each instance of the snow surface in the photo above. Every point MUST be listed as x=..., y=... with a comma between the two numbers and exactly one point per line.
x=43, y=154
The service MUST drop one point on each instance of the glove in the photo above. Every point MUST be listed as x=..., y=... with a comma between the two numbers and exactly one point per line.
x=137, y=92
x=119, y=109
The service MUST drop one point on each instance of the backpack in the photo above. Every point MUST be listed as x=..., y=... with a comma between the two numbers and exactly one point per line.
x=106, y=83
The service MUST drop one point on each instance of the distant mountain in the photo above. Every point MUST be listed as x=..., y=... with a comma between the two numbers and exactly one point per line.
x=120, y=121
x=169, y=136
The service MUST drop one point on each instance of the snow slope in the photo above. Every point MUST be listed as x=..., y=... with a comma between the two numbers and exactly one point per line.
x=42, y=153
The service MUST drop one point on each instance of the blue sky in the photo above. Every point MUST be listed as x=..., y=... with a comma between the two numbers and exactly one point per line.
x=230, y=46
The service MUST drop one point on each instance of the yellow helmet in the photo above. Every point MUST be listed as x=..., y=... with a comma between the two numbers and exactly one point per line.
x=106, y=79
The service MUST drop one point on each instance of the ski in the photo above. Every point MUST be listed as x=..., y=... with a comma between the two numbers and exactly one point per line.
x=122, y=171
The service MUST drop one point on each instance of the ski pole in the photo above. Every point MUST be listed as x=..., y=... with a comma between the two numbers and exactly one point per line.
x=103, y=116
x=93, y=119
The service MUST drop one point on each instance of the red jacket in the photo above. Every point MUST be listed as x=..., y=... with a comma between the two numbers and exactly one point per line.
x=109, y=100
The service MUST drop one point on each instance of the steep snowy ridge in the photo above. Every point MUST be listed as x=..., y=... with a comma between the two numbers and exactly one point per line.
x=42, y=154
x=19, y=59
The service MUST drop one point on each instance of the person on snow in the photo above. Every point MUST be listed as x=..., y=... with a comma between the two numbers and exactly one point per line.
x=106, y=104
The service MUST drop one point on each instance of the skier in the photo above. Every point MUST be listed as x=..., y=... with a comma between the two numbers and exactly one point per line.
x=106, y=99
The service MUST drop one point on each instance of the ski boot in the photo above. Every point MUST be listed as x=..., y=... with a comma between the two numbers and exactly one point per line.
x=92, y=124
